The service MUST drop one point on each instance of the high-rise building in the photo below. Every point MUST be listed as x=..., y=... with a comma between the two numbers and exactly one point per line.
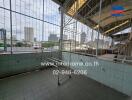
x=52, y=37
x=83, y=37
x=29, y=34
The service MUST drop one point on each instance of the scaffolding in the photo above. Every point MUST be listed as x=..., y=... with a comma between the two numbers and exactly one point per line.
x=99, y=40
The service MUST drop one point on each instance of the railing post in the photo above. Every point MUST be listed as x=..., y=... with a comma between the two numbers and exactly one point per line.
x=11, y=25
x=5, y=40
x=61, y=33
x=100, y=9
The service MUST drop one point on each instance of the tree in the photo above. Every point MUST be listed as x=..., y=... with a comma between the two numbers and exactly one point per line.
x=48, y=44
x=19, y=44
x=1, y=44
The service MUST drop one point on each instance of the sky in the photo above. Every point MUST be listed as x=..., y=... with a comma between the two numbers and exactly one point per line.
x=34, y=8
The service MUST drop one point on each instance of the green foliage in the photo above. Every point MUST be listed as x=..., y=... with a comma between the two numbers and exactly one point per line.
x=19, y=44
x=1, y=44
x=56, y=43
x=47, y=44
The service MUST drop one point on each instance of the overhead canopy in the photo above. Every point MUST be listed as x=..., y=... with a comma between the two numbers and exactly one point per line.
x=87, y=12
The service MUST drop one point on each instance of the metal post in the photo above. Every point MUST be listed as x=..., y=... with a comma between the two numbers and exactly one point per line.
x=61, y=40
x=75, y=36
x=11, y=25
x=5, y=43
x=131, y=38
x=42, y=34
x=61, y=33
x=70, y=59
x=112, y=43
x=131, y=30
x=98, y=27
x=92, y=41
x=92, y=35
x=43, y=24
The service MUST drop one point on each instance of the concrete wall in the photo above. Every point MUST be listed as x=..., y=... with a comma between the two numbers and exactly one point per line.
x=114, y=75
x=18, y=63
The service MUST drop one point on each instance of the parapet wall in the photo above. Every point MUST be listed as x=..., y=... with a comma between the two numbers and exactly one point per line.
x=115, y=75
x=19, y=63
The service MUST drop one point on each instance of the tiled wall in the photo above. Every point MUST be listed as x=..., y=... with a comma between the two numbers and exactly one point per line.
x=114, y=75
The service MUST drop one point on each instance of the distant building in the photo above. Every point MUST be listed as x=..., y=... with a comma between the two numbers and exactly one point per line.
x=83, y=37
x=70, y=44
x=14, y=38
x=52, y=37
x=1, y=36
x=35, y=39
x=65, y=37
x=101, y=44
x=29, y=34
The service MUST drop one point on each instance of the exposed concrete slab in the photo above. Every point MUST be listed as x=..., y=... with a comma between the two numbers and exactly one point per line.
x=42, y=85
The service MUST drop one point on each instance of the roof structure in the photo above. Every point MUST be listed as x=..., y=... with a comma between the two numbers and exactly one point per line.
x=87, y=12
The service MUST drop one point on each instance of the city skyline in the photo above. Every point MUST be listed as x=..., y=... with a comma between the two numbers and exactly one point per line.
x=51, y=14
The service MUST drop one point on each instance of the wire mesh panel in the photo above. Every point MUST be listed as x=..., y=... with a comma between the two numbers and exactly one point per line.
x=30, y=24
x=31, y=27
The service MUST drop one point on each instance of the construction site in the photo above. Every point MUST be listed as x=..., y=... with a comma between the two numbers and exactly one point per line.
x=65, y=49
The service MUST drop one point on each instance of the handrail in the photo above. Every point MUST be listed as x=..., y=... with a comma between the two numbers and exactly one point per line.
x=81, y=53
x=123, y=60
x=117, y=59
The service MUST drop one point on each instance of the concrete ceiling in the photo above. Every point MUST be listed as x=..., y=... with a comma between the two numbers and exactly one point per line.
x=60, y=2
x=89, y=14
x=106, y=17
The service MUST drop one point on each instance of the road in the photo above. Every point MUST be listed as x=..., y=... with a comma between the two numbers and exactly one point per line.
x=26, y=50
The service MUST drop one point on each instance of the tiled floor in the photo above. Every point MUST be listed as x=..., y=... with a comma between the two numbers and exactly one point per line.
x=42, y=85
